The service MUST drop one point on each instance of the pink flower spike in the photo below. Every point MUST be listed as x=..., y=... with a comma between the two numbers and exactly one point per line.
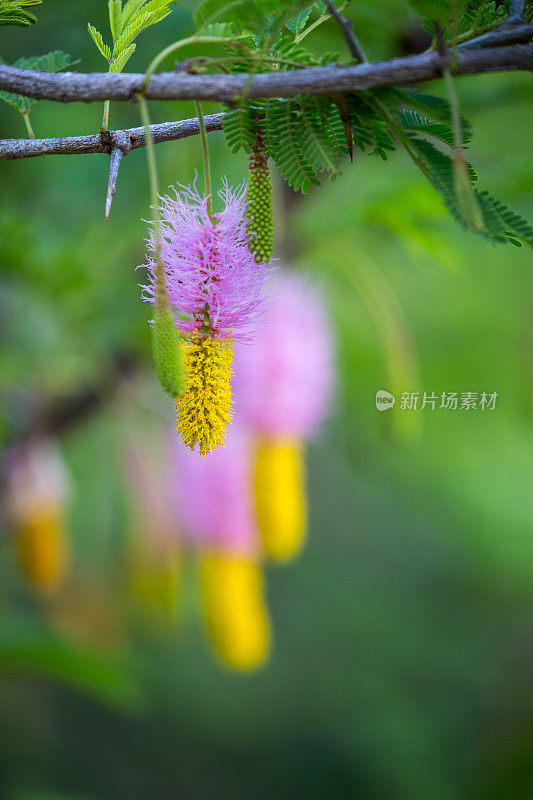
x=212, y=495
x=283, y=381
x=208, y=264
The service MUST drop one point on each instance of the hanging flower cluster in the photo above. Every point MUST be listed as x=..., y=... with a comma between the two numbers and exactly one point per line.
x=215, y=287
x=246, y=501
x=283, y=385
x=214, y=504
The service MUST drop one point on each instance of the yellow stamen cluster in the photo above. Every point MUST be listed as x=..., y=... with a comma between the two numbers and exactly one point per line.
x=280, y=496
x=235, y=613
x=204, y=408
x=41, y=545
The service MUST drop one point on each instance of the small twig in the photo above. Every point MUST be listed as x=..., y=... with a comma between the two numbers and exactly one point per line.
x=516, y=12
x=346, y=26
x=509, y=32
x=121, y=146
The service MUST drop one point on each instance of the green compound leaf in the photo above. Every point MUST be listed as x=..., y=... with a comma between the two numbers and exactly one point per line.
x=51, y=62
x=297, y=23
x=371, y=132
x=412, y=120
x=119, y=62
x=97, y=38
x=126, y=23
x=438, y=167
x=290, y=147
x=239, y=128
x=115, y=17
x=12, y=12
x=500, y=223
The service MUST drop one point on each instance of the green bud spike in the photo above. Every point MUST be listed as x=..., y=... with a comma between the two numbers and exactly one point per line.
x=464, y=192
x=260, y=208
x=166, y=352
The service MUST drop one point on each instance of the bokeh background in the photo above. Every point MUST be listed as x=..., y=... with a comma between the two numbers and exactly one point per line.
x=402, y=659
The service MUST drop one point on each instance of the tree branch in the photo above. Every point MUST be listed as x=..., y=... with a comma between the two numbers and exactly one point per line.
x=95, y=143
x=516, y=12
x=508, y=32
x=72, y=86
x=346, y=26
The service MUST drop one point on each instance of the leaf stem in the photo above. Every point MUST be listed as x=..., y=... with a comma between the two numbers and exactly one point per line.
x=105, y=118
x=26, y=117
x=161, y=298
x=205, y=158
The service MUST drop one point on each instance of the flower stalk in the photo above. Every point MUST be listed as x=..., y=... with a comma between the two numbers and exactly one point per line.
x=165, y=337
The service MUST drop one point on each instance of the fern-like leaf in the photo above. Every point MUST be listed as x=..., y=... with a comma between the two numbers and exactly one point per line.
x=319, y=150
x=290, y=148
x=119, y=62
x=438, y=168
x=411, y=120
x=115, y=17
x=131, y=31
x=502, y=224
x=370, y=130
x=239, y=128
x=130, y=8
x=297, y=23
x=12, y=12
x=435, y=108
x=97, y=38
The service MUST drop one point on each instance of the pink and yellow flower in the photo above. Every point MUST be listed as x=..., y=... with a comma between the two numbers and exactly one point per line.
x=283, y=384
x=216, y=290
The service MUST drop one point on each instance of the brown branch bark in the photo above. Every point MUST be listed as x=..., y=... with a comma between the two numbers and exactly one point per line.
x=74, y=87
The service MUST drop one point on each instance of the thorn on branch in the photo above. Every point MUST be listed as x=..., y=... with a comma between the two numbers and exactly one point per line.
x=346, y=26
x=120, y=146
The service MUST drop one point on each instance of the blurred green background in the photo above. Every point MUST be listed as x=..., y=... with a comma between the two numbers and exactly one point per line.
x=402, y=660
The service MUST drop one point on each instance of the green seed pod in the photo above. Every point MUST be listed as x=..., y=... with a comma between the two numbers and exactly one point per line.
x=166, y=352
x=464, y=192
x=260, y=203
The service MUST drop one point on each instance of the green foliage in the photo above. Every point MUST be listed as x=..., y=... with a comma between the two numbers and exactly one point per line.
x=51, y=62
x=460, y=20
x=126, y=23
x=306, y=136
x=12, y=12
x=297, y=23
x=412, y=120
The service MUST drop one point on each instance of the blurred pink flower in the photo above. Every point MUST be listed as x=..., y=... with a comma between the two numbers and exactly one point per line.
x=283, y=381
x=212, y=495
x=208, y=264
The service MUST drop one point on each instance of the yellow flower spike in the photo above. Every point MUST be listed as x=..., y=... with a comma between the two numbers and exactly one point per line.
x=235, y=613
x=279, y=488
x=41, y=545
x=204, y=408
